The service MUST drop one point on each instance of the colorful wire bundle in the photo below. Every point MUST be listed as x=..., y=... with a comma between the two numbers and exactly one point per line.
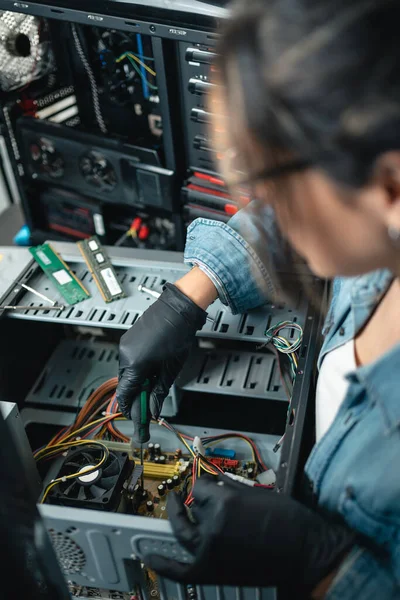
x=283, y=345
x=133, y=59
x=97, y=418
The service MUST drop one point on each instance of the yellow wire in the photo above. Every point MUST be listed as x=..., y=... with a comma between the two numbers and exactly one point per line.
x=142, y=64
x=206, y=468
x=56, y=449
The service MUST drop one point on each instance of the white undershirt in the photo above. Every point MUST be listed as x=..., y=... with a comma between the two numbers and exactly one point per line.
x=332, y=386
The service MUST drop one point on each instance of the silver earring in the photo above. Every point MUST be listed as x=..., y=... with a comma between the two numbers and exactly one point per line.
x=394, y=234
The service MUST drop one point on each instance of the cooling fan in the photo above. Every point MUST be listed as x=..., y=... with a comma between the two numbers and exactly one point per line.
x=98, y=171
x=24, y=54
x=99, y=489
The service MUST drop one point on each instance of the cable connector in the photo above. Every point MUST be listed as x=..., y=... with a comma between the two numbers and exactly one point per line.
x=198, y=447
x=241, y=479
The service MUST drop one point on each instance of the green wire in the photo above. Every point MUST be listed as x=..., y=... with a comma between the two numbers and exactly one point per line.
x=139, y=72
x=137, y=56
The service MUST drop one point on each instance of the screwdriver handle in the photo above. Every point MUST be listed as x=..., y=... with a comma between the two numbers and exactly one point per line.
x=140, y=415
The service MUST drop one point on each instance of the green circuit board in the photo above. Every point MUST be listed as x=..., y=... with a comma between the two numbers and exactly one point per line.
x=64, y=280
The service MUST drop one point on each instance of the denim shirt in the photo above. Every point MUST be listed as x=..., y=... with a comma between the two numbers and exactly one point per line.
x=355, y=467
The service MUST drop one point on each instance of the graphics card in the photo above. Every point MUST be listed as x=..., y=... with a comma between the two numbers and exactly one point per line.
x=98, y=167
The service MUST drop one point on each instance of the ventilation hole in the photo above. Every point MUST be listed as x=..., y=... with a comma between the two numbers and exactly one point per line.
x=122, y=279
x=125, y=318
x=61, y=392
x=134, y=319
x=111, y=317
x=218, y=320
x=224, y=328
x=132, y=279
x=229, y=382
x=53, y=391
x=70, y=556
x=69, y=394
x=84, y=275
x=91, y=353
x=206, y=379
x=78, y=314
x=259, y=360
x=249, y=330
x=253, y=385
x=81, y=353
x=93, y=315
x=102, y=315
x=163, y=282
x=236, y=358
x=102, y=355
x=71, y=530
x=110, y=355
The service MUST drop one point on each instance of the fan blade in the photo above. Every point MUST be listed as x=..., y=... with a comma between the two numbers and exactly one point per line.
x=97, y=491
x=113, y=468
x=81, y=493
x=69, y=489
x=109, y=482
x=73, y=464
x=90, y=458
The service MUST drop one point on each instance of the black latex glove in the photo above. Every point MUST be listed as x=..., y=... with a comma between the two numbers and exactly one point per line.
x=251, y=536
x=156, y=347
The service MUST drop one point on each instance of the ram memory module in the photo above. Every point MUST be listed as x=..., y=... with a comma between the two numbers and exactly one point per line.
x=69, y=286
x=102, y=271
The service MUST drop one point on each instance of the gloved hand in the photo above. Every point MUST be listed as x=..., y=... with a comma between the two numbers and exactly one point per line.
x=251, y=536
x=156, y=347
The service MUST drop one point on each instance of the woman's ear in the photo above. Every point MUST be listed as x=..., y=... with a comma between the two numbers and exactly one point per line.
x=387, y=176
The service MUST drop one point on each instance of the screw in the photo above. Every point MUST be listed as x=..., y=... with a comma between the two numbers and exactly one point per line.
x=284, y=465
x=152, y=28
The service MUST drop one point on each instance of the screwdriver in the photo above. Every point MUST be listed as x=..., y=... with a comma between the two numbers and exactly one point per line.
x=141, y=417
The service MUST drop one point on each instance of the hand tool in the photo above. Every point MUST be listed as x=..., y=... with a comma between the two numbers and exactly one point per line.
x=141, y=417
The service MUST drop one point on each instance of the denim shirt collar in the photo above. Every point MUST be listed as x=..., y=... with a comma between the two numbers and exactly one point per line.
x=378, y=378
x=366, y=293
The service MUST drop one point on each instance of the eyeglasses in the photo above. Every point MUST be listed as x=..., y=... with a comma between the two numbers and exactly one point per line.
x=292, y=166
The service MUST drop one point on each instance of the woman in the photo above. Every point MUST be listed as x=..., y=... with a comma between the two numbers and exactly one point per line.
x=311, y=92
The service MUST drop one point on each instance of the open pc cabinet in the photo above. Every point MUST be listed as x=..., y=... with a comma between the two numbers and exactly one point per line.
x=103, y=117
x=52, y=362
